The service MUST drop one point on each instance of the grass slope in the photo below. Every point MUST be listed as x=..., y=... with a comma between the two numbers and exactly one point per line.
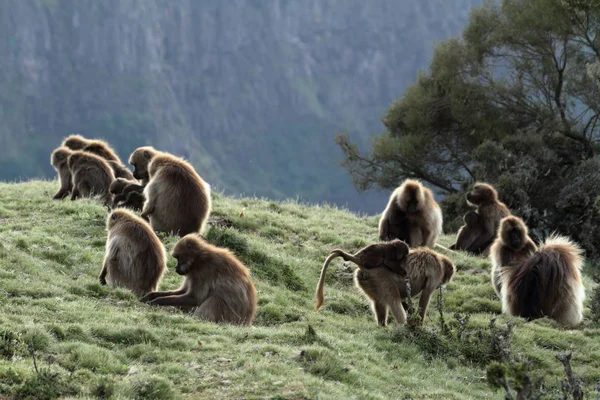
x=90, y=341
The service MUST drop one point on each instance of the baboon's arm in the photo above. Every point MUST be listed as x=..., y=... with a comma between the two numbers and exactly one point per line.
x=110, y=261
x=154, y=295
x=183, y=300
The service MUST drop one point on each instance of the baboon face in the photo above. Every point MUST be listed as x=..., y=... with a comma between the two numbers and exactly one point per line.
x=75, y=142
x=471, y=218
x=60, y=156
x=139, y=160
x=412, y=198
x=186, y=251
x=377, y=255
x=482, y=193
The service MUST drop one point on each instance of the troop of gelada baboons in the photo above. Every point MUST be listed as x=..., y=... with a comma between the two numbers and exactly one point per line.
x=532, y=281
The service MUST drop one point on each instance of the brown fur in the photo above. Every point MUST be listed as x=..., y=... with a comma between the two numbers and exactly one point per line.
x=135, y=258
x=75, y=142
x=59, y=160
x=383, y=272
x=546, y=284
x=411, y=215
x=117, y=186
x=101, y=149
x=140, y=160
x=177, y=198
x=469, y=232
x=216, y=284
x=120, y=170
x=91, y=176
x=489, y=211
x=127, y=194
x=512, y=245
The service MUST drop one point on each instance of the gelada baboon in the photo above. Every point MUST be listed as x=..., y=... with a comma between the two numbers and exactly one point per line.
x=75, y=142
x=58, y=160
x=384, y=271
x=120, y=170
x=481, y=231
x=512, y=245
x=546, y=284
x=140, y=160
x=135, y=258
x=101, y=149
x=177, y=199
x=127, y=194
x=91, y=176
x=412, y=215
x=468, y=232
x=216, y=284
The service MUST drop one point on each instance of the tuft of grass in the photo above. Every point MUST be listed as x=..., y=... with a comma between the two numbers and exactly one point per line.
x=91, y=341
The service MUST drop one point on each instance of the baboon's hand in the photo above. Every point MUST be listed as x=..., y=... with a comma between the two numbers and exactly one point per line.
x=103, y=281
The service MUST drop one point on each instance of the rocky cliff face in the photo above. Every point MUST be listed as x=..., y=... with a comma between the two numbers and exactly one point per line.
x=251, y=92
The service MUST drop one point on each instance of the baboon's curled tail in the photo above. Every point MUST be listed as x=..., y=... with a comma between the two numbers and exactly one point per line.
x=321, y=284
x=537, y=284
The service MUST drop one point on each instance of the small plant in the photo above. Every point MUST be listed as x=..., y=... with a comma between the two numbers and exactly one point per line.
x=572, y=386
x=9, y=342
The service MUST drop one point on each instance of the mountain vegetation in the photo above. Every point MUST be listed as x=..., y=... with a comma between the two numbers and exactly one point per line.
x=514, y=101
x=64, y=335
x=251, y=92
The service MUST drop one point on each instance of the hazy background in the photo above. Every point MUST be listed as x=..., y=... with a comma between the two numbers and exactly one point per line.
x=251, y=92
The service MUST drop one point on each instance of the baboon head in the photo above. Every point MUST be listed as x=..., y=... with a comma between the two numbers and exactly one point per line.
x=411, y=197
x=118, y=185
x=74, y=157
x=189, y=250
x=60, y=156
x=380, y=254
x=139, y=160
x=513, y=232
x=75, y=142
x=119, y=216
x=471, y=219
x=482, y=193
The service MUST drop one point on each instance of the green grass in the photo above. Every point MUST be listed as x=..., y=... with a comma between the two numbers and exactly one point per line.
x=91, y=341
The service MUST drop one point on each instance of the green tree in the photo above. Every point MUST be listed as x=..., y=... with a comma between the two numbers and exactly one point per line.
x=514, y=101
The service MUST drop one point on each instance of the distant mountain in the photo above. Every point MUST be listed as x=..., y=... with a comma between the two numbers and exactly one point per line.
x=251, y=92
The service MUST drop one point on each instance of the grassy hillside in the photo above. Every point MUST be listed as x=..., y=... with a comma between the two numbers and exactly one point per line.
x=90, y=341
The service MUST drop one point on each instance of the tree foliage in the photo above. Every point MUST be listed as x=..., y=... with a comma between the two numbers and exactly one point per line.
x=515, y=101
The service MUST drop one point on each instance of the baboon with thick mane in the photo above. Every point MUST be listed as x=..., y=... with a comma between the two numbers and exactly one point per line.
x=216, y=285
x=177, y=198
x=384, y=271
x=546, y=284
x=140, y=160
x=91, y=176
x=482, y=230
x=512, y=245
x=135, y=258
x=59, y=160
x=412, y=215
